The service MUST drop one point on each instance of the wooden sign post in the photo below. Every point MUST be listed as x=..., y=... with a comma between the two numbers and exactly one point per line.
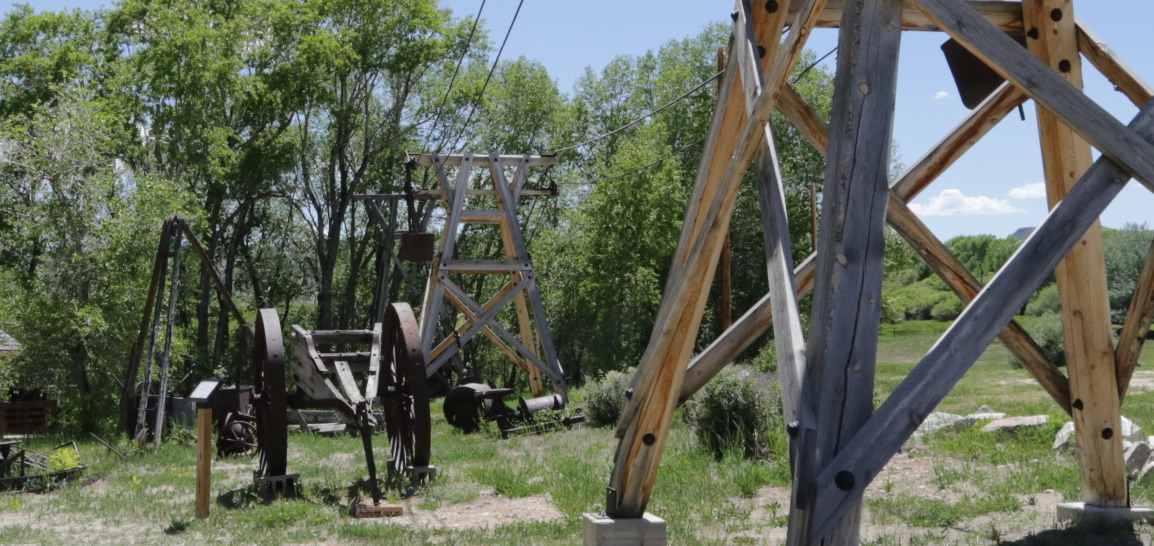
x=203, y=444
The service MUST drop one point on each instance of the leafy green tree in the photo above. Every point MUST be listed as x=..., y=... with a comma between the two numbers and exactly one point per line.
x=1125, y=251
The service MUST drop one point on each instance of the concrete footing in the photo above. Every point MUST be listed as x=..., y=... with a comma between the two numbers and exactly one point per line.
x=602, y=530
x=1079, y=512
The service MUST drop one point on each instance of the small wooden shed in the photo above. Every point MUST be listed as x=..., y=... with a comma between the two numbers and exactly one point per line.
x=9, y=346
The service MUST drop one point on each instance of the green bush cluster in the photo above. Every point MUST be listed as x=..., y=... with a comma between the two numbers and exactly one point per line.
x=1044, y=301
x=605, y=398
x=738, y=410
x=919, y=300
x=1047, y=331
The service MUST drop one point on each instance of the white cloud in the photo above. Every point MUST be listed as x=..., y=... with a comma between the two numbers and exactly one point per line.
x=1036, y=190
x=941, y=95
x=951, y=202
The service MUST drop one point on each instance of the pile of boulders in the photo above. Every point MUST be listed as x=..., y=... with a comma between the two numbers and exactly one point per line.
x=998, y=422
x=1137, y=447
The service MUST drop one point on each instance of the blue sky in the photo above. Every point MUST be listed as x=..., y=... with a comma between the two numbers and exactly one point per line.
x=992, y=189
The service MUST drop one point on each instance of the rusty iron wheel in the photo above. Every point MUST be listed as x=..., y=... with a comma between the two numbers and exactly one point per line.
x=237, y=436
x=269, y=398
x=404, y=392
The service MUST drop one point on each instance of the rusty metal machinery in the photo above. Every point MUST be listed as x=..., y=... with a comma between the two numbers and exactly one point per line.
x=468, y=404
x=348, y=381
x=269, y=402
x=237, y=435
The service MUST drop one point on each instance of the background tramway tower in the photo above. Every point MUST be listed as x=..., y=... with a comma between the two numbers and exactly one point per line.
x=533, y=349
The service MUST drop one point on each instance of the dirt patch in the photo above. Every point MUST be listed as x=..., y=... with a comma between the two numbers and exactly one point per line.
x=487, y=512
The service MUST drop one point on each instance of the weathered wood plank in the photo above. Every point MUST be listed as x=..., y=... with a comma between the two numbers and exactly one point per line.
x=453, y=212
x=479, y=216
x=967, y=338
x=1085, y=305
x=757, y=320
x=461, y=297
x=647, y=416
x=460, y=330
x=1134, y=330
x=1005, y=15
x=1112, y=67
x=1044, y=85
x=963, y=283
x=484, y=266
x=484, y=316
x=348, y=384
x=333, y=337
x=789, y=337
x=531, y=192
x=804, y=117
x=452, y=160
x=846, y=313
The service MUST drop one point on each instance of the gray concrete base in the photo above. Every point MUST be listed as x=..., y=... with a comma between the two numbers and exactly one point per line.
x=602, y=530
x=1079, y=512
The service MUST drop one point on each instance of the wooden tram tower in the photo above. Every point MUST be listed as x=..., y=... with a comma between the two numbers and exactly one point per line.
x=837, y=446
x=533, y=351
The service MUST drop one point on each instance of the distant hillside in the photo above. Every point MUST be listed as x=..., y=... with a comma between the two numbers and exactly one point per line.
x=1022, y=233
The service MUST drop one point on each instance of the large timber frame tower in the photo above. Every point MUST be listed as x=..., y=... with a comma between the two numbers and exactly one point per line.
x=837, y=446
x=533, y=352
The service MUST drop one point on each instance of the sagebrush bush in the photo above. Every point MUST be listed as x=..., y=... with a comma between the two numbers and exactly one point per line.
x=1047, y=331
x=605, y=398
x=947, y=309
x=1044, y=301
x=738, y=409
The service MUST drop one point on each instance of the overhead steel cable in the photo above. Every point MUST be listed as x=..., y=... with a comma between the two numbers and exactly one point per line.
x=496, y=61
x=453, y=80
x=676, y=152
x=642, y=118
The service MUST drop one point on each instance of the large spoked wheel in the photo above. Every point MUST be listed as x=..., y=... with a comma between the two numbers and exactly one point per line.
x=269, y=395
x=405, y=394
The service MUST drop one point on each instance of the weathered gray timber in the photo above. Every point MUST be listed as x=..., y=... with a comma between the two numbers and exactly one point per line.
x=953, y=354
x=1044, y=85
x=845, y=319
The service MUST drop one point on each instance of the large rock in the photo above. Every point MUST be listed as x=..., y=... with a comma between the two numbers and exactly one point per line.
x=1136, y=454
x=1013, y=424
x=943, y=421
x=1065, y=437
x=1131, y=431
x=985, y=413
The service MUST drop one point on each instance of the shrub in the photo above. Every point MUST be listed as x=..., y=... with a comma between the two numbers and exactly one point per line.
x=63, y=459
x=1044, y=301
x=766, y=359
x=917, y=300
x=605, y=398
x=1047, y=331
x=736, y=410
x=947, y=309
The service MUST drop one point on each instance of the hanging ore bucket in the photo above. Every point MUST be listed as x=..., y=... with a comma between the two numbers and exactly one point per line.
x=416, y=245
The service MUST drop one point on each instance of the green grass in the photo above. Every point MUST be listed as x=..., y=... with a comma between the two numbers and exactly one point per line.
x=705, y=499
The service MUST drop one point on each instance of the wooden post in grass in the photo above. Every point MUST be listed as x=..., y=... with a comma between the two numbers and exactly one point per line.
x=200, y=395
x=203, y=459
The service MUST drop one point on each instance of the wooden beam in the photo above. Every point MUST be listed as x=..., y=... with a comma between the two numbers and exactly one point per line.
x=804, y=117
x=460, y=330
x=758, y=319
x=1044, y=85
x=837, y=391
x=647, y=416
x=922, y=240
x=532, y=192
x=514, y=243
x=968, y=337
x=482, y=317
x=1005, y=15
x=1112, y=67
x=1082, y=287
x=1136, y=327
x=789, y=337
x=452, y=160
x=484, y=267
x=962, y=282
